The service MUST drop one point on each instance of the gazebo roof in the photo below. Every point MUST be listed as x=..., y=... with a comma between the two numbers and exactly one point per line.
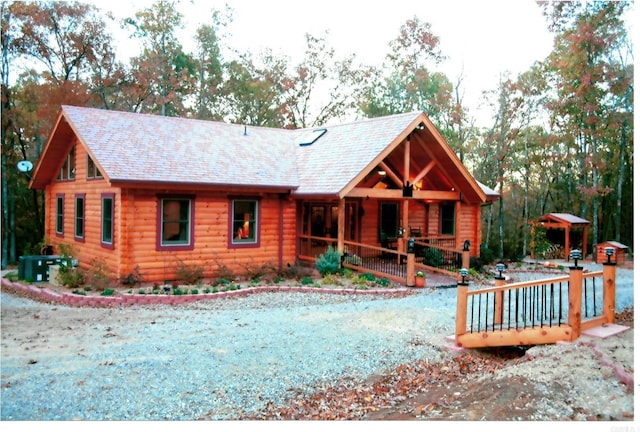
x=563, y=219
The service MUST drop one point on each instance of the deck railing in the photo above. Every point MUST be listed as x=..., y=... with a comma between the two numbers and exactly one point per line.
x=441, y=259
x=394, y=264
x=535, y=312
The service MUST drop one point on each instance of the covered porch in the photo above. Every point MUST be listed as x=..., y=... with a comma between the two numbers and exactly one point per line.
x=409, y=185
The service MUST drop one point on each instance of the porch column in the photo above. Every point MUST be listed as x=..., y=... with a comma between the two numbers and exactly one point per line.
x=575, y=300
x=341, y=219
x=609, y=296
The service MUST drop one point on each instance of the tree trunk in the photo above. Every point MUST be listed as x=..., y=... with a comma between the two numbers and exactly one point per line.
x=5, y=214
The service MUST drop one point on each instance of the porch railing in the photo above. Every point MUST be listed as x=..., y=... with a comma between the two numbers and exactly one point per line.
x=390, y=263
x=434, y=257
x=535, y=312
x=382, y=262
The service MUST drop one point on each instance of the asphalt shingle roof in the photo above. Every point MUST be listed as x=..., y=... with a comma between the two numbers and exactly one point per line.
x=152, y=148
x=132, y=147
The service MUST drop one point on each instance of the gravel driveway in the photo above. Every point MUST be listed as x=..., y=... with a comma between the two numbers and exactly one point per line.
x=207, y=359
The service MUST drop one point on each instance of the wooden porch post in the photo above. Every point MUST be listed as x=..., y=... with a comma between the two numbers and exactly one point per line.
x=498, y=308
x=567, y=247
x=575, y=300
x=609, y=295
x=341, y=219
x=461, y=309
x=411, y=270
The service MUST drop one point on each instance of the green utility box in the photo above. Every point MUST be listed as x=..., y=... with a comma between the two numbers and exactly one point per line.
x=35, y=268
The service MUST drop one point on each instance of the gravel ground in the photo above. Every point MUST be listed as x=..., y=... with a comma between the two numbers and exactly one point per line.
x=205, y=360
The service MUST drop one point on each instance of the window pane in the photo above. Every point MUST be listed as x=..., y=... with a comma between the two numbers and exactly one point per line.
x=72, y=163
x=79, y=217
x=91, y=168
x=176, y=216
x=244, y=221
x=107, y=220
x=60, y=215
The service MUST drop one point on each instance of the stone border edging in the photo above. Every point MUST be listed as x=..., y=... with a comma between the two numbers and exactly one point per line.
x=126, y=299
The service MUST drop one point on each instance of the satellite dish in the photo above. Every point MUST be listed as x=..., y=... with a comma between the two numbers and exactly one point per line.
x=25, y=166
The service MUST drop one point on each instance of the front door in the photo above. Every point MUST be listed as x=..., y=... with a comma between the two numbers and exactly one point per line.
x=389, y=213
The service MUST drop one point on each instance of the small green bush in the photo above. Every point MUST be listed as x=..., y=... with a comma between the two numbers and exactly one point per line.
x=369, y=277
x=486, y=254
x=331, y=279
x=12, y=276
x=71, y=277
x=383, y=282
x=307, y=280
x=107, y=292
x=433, y=257
x=328, y=262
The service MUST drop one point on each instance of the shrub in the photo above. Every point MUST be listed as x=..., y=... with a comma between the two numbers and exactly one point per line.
x=307, y=280
x=98, y=274
x=12, y=276
x=330, y=279
x=383, y=282
x=433, y=257
x=189, y=273
x=71, y=277
x=369, y=277
x=486, y=254
x=345, y=272
x=328, y=262
x=107, y=292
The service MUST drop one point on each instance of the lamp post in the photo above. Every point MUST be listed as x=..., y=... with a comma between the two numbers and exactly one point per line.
x=608, y=251
x=464, y=273
x=500, y=267
x=575, y=255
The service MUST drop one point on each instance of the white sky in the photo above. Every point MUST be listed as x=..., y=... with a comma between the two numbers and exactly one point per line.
x=481, y=38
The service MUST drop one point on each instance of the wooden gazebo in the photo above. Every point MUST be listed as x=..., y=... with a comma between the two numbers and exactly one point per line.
x=568, y=223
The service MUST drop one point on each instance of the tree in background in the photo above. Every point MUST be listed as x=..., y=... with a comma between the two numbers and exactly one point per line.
x=592, y=88
x=163, y=71
x=210, y=66
x=49, y=47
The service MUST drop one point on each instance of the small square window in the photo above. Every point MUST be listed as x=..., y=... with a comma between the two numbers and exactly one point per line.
x=175, y=223
x=244, y=222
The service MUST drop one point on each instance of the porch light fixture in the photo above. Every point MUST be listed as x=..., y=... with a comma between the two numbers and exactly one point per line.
x=575, y=256
x=382, y=173
x=464, y=273
x=608, y=251
x=407, y=190
x=500, y=267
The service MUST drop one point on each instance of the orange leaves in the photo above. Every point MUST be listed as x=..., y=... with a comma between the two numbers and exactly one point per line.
x=352, y=400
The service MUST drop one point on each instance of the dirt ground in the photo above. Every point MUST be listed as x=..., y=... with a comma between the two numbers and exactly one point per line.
x=590, y=379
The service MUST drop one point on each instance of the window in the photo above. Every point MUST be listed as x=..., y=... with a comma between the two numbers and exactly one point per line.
x=107, y=220
x=447, y=219
x=60, y=215
x=175, y=223
x=244, y=222
x=68, y=170
x=79, y=218
x=93, y=172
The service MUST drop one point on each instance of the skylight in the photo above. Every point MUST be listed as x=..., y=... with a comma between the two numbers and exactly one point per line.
x=312, y=137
